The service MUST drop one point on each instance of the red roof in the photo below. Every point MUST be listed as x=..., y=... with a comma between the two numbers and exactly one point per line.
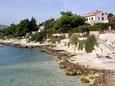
x=92, y=13
x=112, y=19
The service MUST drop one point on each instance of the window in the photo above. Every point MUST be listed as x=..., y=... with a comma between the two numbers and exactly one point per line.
x=102, y=14
x=102, y=18
x=87, y=19
x=98, y=18
x=92, y=18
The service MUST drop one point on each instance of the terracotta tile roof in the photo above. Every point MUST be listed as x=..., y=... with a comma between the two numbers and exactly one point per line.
x=92, y=13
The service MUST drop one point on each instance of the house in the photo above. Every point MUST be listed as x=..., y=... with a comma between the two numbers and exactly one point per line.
x=96, y=17
x=112, y=19
x=41, y=27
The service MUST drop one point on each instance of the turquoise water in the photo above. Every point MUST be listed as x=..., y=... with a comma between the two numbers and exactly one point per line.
x=31, y=67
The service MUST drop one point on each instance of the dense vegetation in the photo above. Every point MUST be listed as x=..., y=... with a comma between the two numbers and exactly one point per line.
x=69, y=22
x=66, y=23
x=38, y=36
x=18, y=30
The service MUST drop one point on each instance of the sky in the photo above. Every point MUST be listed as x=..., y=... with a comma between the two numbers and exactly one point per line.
x=12, y=11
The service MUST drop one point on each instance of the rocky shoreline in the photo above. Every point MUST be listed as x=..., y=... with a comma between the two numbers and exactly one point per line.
x=17, y=45
x=100, y=77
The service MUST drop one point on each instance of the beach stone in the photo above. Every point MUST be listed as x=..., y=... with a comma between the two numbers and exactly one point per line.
x=70, y=72
x=62, y=65
x=78, y=72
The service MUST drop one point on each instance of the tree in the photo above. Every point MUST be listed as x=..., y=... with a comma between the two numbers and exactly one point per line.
x=25, y=26
x=9, y=31
x=1, y=34
x=110, y=15
x=68, y=13
x=22, y=28
x=12, y=29
x=68, y=21
x=48, y=24
x=32, y=25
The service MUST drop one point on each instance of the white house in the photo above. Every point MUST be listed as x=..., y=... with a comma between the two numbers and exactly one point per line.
x=96, y=17
x=41, y=28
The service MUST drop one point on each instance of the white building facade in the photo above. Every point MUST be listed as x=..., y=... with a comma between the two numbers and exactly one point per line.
x=41, y=28
x=96, y=17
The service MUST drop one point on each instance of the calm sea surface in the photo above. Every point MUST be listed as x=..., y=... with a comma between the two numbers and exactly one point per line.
x=31, y=67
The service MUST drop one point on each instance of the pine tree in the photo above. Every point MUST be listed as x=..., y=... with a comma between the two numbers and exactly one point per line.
x=32, y=25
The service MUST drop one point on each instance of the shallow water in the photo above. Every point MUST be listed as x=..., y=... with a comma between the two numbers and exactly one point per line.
x=31, y=67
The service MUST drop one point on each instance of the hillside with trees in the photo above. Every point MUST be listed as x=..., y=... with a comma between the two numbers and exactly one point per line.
x=66, y=23
x=18, y=30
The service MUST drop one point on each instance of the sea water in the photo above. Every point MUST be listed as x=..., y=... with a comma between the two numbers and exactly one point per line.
x=31, y=67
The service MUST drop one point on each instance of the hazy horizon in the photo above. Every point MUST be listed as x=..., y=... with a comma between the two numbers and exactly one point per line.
x=12, y=11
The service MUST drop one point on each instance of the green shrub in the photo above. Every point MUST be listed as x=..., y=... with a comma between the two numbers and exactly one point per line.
x=56, y=38
x=87, y=44
x=40, y=36
x=92, y=77
x=112, y=25
x=81, y=44
x=100, y=26
x=74, y=40
x=84, y=80
x=84, y=28
x=90, y=43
